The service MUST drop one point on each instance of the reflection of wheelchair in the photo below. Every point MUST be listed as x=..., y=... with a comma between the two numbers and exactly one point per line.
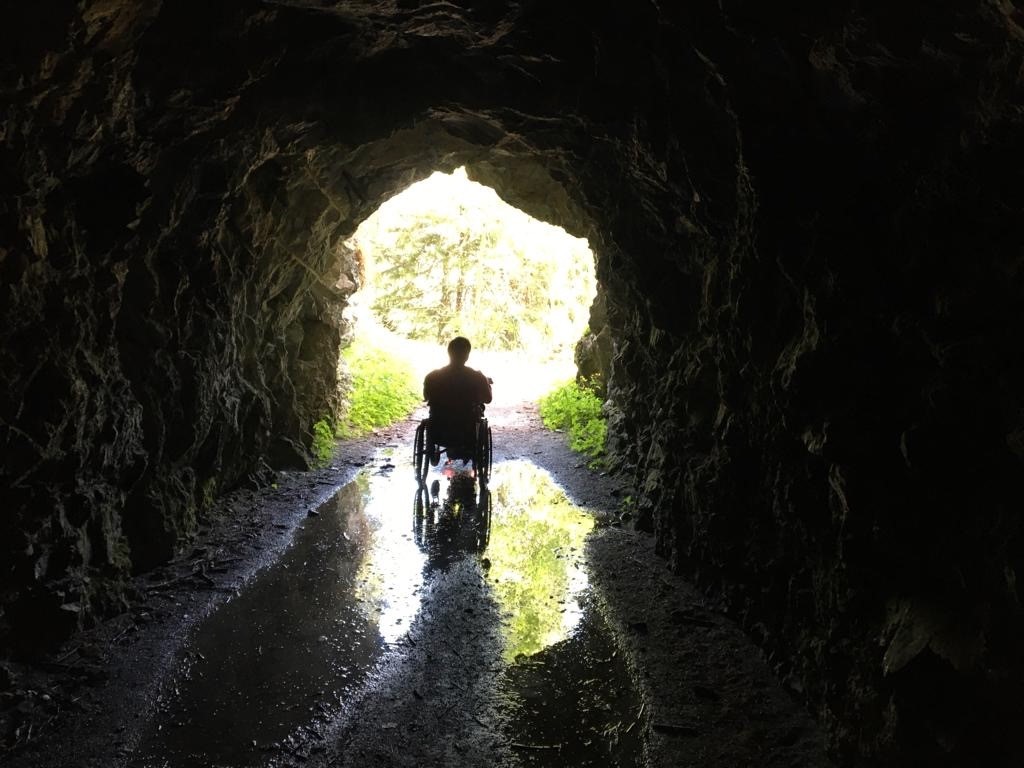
x=469, y=442
x=459, y=523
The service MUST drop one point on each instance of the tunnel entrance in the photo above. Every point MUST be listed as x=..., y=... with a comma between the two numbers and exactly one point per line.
x=447, y=256
x=806, y=221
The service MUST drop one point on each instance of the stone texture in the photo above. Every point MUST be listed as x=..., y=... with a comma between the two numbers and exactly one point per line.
x=830, y=448
x=806, y=221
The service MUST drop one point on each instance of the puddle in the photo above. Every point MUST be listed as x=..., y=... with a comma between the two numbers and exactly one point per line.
x=286, y=656
x=299, y=638
x=536, y=558
x=568, y=695
x=451, y=520
x=573, y=703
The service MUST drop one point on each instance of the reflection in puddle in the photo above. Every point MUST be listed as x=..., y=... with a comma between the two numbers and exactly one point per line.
x=392, y=573
x=298, y=638
x=536, y=555
x=574, y=704
x=567, y=694
x=452, y=520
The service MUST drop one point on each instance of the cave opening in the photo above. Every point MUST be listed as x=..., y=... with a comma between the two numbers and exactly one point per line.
x=447, y=256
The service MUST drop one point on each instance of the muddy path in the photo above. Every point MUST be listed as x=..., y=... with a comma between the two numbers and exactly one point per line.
x=345, y=617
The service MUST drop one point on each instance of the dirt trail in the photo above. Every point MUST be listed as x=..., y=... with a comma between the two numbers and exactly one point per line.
x=649, y=675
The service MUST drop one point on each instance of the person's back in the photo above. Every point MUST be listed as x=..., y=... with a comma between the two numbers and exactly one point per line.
x=456, y=395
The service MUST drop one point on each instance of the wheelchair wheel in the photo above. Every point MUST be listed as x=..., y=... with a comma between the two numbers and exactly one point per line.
x=483, y=452
x=421, y=452
x=489, y=457
x=420, y=508
x=483, y=519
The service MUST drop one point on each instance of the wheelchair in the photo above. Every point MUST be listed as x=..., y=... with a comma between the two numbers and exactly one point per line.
x=469, y=442
x=446, y=528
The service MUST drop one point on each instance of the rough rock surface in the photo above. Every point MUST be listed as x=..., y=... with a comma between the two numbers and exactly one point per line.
x=806, y=222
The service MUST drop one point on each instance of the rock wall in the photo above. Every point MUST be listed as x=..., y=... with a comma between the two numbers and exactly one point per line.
x=805, y=221
x=170, y=311
x=833, y=448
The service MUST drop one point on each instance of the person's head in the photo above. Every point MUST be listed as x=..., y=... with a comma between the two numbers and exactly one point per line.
x=458, y=350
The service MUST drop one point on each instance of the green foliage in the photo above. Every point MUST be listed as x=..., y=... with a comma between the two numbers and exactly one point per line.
x=323, y=442
x=208, y=493
x=577, y=410
x=480, y=268
x=384, y=389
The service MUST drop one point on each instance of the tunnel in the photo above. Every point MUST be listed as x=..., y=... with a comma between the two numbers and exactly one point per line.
x=806, y=222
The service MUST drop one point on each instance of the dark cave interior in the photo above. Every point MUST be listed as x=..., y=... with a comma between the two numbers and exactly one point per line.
x=806, y=225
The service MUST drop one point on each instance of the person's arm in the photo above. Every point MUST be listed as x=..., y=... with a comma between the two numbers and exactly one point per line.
x=485, y=389
x=427, y=388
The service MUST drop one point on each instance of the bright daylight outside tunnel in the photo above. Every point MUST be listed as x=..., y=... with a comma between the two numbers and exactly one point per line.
x=751, y=493
x=447, y=257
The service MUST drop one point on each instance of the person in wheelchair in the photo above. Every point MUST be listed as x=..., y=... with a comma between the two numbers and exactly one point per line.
x=456, y=395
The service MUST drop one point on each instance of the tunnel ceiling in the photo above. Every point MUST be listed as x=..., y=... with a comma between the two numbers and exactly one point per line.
x=806, y=226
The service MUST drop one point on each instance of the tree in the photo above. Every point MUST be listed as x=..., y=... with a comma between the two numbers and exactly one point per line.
x=487, y=271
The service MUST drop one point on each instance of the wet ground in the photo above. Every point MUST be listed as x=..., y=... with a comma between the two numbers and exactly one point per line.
x=302, y=648
x=350, y=618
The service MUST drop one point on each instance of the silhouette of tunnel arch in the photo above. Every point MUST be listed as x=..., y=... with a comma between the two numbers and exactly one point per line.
x=383, y=169
x=353, y=184
x=230, y=180
x=587, y=179
x=280, y=132
x=315, y=135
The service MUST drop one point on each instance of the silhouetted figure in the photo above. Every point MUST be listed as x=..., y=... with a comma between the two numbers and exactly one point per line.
x=450, y=528
x=456, y=395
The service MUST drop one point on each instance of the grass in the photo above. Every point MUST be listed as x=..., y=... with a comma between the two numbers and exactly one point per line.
x=323, y=442
x=384, y=389
x=576, y=409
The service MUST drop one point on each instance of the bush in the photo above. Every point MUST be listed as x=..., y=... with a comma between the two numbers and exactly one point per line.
x=323, y=442
x=576, y=409
x=384, y=389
